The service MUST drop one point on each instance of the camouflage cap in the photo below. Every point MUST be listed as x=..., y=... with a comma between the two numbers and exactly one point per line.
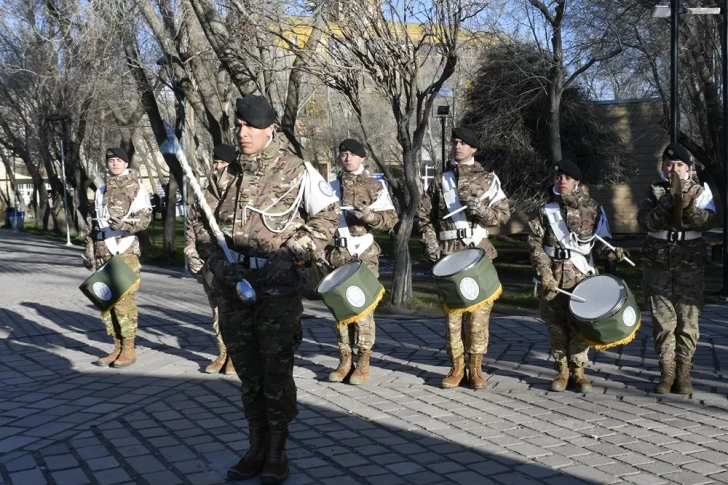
x=675, y=151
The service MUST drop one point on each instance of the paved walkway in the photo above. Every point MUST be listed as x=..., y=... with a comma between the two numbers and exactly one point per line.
x=163, y=421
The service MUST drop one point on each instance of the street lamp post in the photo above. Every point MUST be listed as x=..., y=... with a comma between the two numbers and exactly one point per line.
x=674, y=11
x=443, y=112
x=54, y=118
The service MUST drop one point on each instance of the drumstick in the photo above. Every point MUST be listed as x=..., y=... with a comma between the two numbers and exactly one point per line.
x=559, y=290
x=172, y=147
x=456, y=211
x=612, y=248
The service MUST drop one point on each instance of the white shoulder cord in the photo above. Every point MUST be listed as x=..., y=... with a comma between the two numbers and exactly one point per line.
x=294, y=207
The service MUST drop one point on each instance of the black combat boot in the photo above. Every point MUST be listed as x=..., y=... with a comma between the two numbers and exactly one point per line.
x=252, y=463
x=275, y=469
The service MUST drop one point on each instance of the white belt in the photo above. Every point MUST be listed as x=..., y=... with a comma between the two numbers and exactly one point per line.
x=456, y=234
x=107, y=233
x=676, y=235
x=249, y=261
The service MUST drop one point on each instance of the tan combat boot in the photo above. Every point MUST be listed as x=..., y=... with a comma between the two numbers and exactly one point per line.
x=275, y=469
x=667, y=377
x=559, y=384
x=682, y=376
x=106, y=361
x=361, y=373
x=344, y=367
x=229, y=369
x=217, y=365
x=252, y=463
x=578, y=378
x=127, y=356
x=456, y=374
x=476, y=372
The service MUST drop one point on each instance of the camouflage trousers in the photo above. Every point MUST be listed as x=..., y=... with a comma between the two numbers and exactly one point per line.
x=476, y=332
x=675, y=299
x=563, y=334
x=123, y=319
x=361, y=332
x=261, y=341
x=212, y=298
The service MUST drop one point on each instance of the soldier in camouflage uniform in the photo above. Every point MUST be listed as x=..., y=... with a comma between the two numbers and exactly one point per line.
x=121, y=210
x=673, y=260
x=197, y=230
x=562, y=263
x=371, y=210
x=278, y=212
x=487, y=206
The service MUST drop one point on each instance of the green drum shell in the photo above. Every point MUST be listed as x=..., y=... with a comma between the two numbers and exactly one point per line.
x=109, y=283
x=353, y=297
x=611, y=328
x=450, y=287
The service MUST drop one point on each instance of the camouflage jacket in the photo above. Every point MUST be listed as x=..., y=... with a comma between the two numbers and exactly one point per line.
x=581, y=214
x=198, y=229
x=672, y=254
x=265, y=182
x=473, y=181
x=120, y=192
x=361, y=190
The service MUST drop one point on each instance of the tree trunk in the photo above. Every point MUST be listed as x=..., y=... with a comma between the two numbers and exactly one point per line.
x=169, y=240
x=555, y=90
x=409, y=200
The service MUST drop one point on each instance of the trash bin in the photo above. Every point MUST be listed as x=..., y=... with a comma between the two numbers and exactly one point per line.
x=15, y=218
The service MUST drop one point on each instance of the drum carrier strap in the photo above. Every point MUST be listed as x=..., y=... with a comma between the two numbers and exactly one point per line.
x=572, y=247
x=471, y=236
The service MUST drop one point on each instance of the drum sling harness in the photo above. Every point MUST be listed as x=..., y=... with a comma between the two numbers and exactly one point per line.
x=357, y=245
x=471, y=236
x=572, y=247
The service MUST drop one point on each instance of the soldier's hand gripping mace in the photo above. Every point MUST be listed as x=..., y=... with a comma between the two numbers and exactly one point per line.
x=244, y=289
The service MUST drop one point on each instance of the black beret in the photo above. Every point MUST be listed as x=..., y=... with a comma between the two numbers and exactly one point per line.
x=353, y=146
x=676, y=151
x=224, y=152
x=466, y=135
x=569, y=168
x=255, y=111
x=117, y=152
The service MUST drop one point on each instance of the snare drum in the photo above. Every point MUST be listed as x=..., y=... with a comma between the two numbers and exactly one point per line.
x=610, y=316
x=466, y=280
x=110, y=283
x=351, y=292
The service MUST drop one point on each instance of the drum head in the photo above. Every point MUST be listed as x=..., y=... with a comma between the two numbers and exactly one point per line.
x=457, y=262
x=604, y=295
x=338, y=276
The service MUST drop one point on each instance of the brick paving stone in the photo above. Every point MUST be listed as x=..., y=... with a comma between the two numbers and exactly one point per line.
x=28, y=477
x=74, y=476
x=687, y=478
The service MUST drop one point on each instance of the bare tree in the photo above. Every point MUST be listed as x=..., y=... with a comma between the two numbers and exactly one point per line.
x=605, y=45
x=388, y=46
